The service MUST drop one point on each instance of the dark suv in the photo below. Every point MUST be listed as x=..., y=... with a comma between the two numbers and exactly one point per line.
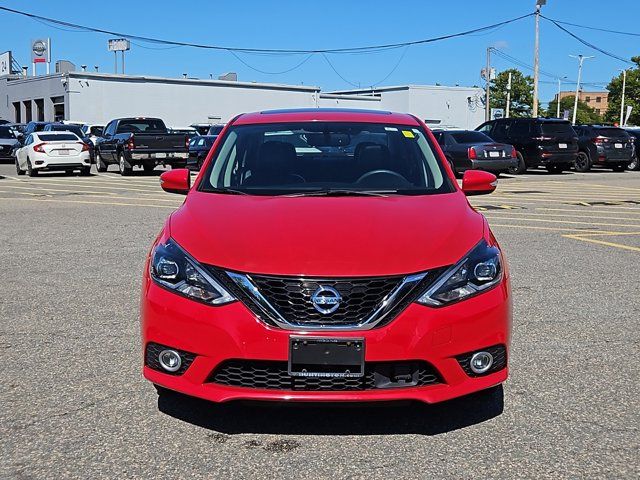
x=548, y=142
x=609, y=147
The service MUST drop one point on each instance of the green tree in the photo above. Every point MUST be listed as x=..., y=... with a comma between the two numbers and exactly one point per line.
x=521, y=92
x=631, y=95
x=586, y=114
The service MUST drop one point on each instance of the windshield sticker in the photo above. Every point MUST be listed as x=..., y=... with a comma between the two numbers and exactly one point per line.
x=408, y=133
x=391, y=129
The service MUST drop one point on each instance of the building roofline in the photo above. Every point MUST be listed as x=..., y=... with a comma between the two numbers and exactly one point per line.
x=361, y=91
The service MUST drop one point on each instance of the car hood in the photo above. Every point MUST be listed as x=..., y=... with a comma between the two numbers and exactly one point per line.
x=327, y=236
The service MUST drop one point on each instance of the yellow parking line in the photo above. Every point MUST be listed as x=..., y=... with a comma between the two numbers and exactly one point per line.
x=566, y=222
x=602, y=242
x=44, y=185
x=550, y=229
x=612, y=209
x=525, y=212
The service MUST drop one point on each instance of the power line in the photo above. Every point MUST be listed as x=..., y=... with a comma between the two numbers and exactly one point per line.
x=590, y=45
x=632, y=34
x=262, y=50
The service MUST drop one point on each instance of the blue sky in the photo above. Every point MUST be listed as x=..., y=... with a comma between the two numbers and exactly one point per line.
x=330, y=24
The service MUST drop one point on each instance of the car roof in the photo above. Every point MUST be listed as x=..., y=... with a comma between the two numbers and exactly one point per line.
x=53, y=132
x=325, y=115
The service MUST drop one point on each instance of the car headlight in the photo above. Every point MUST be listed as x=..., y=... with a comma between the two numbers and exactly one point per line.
x=478, y=271
x=173, y=268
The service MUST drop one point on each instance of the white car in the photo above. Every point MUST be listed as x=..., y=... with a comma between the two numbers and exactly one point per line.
x=53, y=151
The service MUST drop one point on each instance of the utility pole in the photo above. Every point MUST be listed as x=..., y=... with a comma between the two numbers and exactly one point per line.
x=536, y=57
x=508, y=95
x=487, y=74
x=115, y=62
x=581, y=58
x=624, y=85
x=558, y=99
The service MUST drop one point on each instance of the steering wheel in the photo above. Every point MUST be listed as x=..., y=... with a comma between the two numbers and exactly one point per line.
x=374, y=173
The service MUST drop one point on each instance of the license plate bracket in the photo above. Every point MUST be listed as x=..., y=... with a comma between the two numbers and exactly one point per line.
x=326, y=357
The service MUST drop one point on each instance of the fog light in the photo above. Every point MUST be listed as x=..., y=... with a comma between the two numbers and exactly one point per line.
x=481, y=362
x=170, y=360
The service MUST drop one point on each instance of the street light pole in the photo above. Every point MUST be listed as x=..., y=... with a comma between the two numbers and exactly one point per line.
x=624, y=84
x=558, y=99
x=581, y=58
x=487, y=109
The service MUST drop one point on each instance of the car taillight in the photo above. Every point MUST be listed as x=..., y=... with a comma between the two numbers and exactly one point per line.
x=513, y=152
x=471, y=153
x=598, y=140
x=39, y=147
x=85, y=147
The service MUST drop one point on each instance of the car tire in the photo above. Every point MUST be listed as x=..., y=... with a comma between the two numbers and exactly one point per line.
x=125, y=168
x=179, y=165
x=520, y=168
x=32, y=172
x=634, y=164
x=582, y=163
x=100, y=165
x=555, y=168
x=85, y=171
x=19, y=171
x=619, y=167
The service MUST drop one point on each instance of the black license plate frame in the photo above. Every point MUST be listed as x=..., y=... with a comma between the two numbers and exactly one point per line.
x=326, y=357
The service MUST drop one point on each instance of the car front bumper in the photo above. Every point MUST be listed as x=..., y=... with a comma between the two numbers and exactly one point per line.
x=433, y=335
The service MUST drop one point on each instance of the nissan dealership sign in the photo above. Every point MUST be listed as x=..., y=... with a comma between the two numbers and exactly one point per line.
x=41, y=50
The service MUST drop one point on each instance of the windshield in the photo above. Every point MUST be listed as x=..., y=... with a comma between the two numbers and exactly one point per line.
x=470, y=137
x=341, y=158
x=6, y=132
x=57, y=137
x=557, y=128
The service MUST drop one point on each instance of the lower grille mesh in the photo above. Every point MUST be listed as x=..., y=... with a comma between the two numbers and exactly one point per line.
x=273, y=375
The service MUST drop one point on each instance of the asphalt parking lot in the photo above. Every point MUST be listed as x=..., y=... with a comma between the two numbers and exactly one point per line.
x=74, y=403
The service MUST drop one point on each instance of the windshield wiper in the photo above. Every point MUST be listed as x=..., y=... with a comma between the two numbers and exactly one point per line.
x=228, y=191
x=341, y=192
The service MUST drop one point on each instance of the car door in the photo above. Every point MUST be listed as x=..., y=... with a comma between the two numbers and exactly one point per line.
x=21, y=153
x=107, y=143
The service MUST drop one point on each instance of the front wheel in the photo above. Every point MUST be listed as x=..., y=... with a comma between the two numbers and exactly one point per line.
x=100, y=165
x=19, y=171
x=582, y=163
x=520, y=168
x=619, y=167
x=125, y=168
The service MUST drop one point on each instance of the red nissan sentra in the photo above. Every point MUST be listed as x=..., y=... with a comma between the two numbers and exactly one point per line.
x=326, y=255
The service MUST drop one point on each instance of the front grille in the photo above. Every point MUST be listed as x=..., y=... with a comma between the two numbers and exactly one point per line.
x=291, y=298
x=499, y=353
x=273, y=375
x=151, y=358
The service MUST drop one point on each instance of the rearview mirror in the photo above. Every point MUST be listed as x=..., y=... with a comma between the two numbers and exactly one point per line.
x=478, y=182
x=176, y=181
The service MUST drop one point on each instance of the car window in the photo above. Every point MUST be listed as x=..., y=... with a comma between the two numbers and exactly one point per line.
x=95, y=130
x=65, y=128
x=28, y=140
x=141, y=125
x=556, y=128
x=439, y=137
x=502, y=129
x=519, y=129
x=6, y=132
x=486, y=128
x=215, y=129
x=612, y=132
x=277, y=159
x=470, y=137
x=49, y=137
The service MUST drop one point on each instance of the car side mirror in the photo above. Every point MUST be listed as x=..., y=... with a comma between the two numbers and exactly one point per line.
x=176, y=181
x=478, y=182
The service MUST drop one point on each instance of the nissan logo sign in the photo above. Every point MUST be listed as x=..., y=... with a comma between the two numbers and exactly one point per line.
x=326, y=299
x=39, y=47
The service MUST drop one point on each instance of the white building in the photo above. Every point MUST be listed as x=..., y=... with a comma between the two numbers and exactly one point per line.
x=98, y=98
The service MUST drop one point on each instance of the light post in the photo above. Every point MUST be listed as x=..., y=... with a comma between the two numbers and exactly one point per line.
x=536, y=57
x=558, y=100
x=581, y=58
x=624, y=85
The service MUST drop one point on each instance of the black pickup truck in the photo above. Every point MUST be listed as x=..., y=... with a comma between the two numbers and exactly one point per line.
x=140, y=141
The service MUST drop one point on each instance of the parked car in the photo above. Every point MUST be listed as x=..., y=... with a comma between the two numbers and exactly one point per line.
x=92, y=131
x=198, y=150
x=52, y=150
x=635, y=159
x=73, y=128
x=31, y=128
x=471, y=150
x=299, y=274
x=547, y=142
x=215, y=129
x=128, y=142
x=187, y=131
x=602, y=146
x=8, y=142
x=201, y=128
